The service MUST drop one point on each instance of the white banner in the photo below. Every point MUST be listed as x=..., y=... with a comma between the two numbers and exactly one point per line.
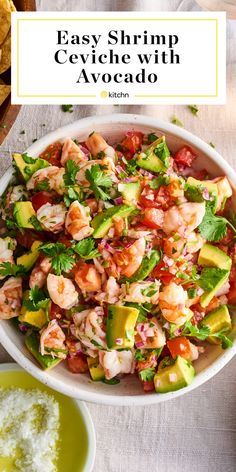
x=118, y=57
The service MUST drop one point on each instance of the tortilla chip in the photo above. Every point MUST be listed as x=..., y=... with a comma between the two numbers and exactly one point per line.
x=5, y=90
x=5, y=54
x=5, y=19
x=13, y=8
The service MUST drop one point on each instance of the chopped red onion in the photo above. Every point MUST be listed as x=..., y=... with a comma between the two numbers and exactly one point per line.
x=139, y=344
x=118, y=200
x=206, y=194
x=23, y=328
x=119, y=341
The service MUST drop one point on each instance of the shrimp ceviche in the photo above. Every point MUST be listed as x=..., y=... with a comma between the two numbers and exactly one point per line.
x=118, y=259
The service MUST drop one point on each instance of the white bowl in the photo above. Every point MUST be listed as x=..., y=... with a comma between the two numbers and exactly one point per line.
x=129, y=391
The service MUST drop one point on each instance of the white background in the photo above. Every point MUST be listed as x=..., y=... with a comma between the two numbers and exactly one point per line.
x=42, y=80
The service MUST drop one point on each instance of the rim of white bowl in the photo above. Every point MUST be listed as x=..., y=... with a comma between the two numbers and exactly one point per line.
x=82, y=407
x=103, y=398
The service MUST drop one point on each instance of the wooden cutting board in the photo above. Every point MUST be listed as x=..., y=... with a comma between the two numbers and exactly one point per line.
x=8, y=112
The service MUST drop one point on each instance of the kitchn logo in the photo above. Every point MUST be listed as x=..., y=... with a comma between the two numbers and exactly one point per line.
x=105, y=94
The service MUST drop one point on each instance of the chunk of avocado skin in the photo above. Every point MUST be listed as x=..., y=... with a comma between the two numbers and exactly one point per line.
x=22, y=213
x=130, y=191
x=29, y=258
x=218, y=320
x=95, y=369
x=121, y=321
x=207, y=296
x=26, y=170
x=147, y=265
x=182, y=370
x=46, y=362
x=148, y=160
x=212, y=256
x=103, y=221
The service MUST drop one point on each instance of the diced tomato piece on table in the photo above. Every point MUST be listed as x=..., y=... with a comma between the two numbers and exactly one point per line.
x=184, y=156
x=179, y=347
x=41, y=198
x=77, y=364
x=52, y=154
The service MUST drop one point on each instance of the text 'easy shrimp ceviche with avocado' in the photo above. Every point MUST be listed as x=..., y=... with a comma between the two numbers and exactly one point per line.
x=118, y=260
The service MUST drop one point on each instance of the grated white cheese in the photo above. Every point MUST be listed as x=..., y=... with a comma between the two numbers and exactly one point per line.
x=29, y=423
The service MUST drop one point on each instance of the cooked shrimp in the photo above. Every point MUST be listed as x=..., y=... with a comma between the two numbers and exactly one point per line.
x=116, y=362
x=88, y=278
x=130, y=258
x=184, y=218
x=53, y=175
x=142, y=292
x=110, y=292
x=62, y=291
x=16, y=194
x=52, y=217
x=172, y=301
x=150, y=335
x=52, y=341
x=89, y=329
x=10, y=298
x=96, y=143
x=194, y=242
x=77, y=221
x=7, y=246
x=40, y=272
x=72, y=151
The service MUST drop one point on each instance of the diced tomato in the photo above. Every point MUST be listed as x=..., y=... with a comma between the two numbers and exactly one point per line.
x=77, y=364
x=52, y=154
x=184, y=156
x=153, y=218
x=40, y=198
x=173, y=248
x=132, y=142
x=161, y=272
x=148, y=386
x=179, y=347
x=55, y=311
x=232, y=294
x=148, y=198
x=26, y=238
x=64, y=240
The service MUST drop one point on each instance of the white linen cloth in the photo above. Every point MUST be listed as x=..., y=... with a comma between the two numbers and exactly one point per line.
x=196, y=432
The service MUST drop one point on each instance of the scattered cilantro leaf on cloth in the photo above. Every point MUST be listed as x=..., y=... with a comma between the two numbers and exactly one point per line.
x=61, y=257
x=147, y=375
x=67, y=108
x=175, y=121
x=86, y=249
x=194, y=109
x=98, y=181
x=6, y=268
x=212, y=227
x=71, y=171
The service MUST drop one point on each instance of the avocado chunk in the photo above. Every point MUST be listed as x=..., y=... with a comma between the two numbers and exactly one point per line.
x=175, y=376
x=207, y=296
x=212, y=256
x=218, y=320
x=156, y=157
x=195, y=188
x=130, y=191
x=147, y=265
x=22, y=213
x=95, y=369
x=33, y=318
x=46, y=362
x=120, y=326
x=103, y=221
x=29, y=259
x=27, y=166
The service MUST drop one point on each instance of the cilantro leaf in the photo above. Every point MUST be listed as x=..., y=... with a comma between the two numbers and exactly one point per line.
x=98, y=180
x=201, y=332
x=194, y=109
x=6, y=268
x=62, y=259
x=212, y=228
x=35, y=223
x=161, y=150
x=86, y=249
x=36, y=299
x=139, y=356
x=210, y=276
x=130, y=166
x=147, y=375
x=67, y=108
x=113, y=381
x=155, y=184
x=71, y=171
x=73, y=194
x=176, y=121
x=225, y=341
x=27, y=159
x=151, y=137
